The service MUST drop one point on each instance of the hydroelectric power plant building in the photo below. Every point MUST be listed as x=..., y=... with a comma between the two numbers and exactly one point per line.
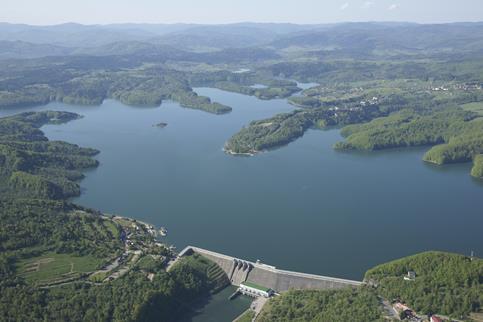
x=254, y=290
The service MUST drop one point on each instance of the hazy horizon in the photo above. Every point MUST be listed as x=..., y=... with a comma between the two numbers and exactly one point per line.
x=235, y=23
x=214, y=12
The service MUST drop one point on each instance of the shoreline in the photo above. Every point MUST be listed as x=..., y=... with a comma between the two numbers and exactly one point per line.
x=152, y=229
x=246, y=154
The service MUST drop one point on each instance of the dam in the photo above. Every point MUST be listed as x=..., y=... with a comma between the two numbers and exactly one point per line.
x=239, y=271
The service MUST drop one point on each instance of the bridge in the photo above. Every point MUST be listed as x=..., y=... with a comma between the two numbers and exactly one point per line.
x=239, y=270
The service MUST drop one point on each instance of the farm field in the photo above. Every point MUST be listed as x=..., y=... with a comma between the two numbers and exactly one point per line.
x=51, y=268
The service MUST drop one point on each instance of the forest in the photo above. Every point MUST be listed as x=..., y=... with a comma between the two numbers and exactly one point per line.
x=34, y=167
x=445, y=283
x=456, y=135
x=329, y=305
x=449, y=284
x=137, y=87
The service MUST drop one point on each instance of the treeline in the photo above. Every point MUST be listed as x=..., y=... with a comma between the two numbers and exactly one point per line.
x=477, y=170
x=448, y=284
x=329, y=72
x=137, y=87
x=28, y=96
x=406, y=128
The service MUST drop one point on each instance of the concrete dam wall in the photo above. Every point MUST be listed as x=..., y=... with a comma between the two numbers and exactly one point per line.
x=239, y=270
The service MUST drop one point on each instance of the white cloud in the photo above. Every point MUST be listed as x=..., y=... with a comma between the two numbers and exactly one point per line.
x=368, y=4
x=393, y=6
x=344, y=6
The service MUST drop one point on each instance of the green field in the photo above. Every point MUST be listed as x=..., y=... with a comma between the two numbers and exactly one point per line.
x=476, y=107
x=52, y=267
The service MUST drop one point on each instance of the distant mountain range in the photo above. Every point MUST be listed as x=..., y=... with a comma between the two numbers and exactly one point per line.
x=361, y=39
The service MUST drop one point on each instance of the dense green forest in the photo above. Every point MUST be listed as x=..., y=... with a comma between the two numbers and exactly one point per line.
x=33, y=167
x=349, y=304
x=31, y=226
x=138, y=87
x=455, y=134
x=445, y=283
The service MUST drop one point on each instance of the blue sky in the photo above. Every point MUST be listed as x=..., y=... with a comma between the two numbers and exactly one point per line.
x=227, y=11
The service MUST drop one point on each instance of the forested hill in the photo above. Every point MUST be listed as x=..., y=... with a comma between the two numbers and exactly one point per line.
x=457, y=135
x=89, y=80
x=34, y=167
x=445, y=283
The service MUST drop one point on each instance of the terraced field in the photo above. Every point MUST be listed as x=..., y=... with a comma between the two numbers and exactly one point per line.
x=54, y=268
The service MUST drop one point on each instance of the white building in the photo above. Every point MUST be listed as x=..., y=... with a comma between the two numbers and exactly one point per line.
x=254, y=290
x=411, y=276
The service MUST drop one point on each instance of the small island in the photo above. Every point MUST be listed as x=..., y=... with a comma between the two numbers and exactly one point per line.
x=161, y=125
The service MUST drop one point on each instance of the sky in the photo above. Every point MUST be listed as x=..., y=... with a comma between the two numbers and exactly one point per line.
x=47, y=12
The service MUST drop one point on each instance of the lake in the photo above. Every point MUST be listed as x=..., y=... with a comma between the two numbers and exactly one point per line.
x=302, y=207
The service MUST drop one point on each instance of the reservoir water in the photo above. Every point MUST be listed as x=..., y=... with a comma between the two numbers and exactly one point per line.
x=302, y=207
